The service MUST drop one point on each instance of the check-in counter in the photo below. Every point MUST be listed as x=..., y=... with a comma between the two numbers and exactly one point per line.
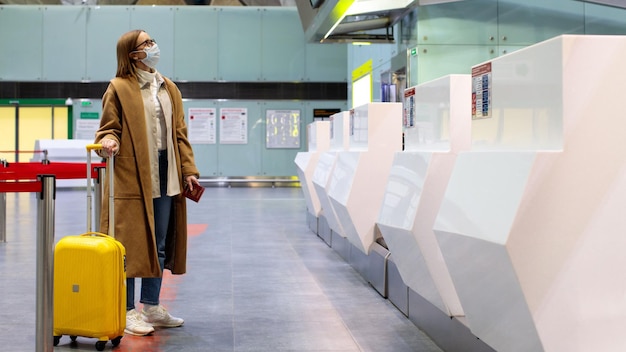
x=329, y=224
x=532, y=222
x=357, y=183
x=437, y=126
x=318, y=141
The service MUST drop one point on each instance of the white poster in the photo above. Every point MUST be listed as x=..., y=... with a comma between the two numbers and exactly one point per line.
x=86, y=128
x=233, y=125
x=201, y=127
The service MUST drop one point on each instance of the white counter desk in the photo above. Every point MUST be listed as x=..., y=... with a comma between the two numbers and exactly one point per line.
x=532, y=224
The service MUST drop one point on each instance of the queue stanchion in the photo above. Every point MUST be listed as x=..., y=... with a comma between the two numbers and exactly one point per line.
x=3, y=217
x=45, y=262
x=3, y=209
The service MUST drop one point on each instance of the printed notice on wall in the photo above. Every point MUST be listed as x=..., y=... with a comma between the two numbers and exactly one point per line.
x=86, y=128
x=233, y=126
x=481, y=91
x=201, y=127
x=282, y=129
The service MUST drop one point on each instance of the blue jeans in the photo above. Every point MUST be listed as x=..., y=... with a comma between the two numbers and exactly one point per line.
x=151, y=287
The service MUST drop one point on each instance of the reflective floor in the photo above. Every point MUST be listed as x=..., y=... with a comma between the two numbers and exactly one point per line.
x=258, y=280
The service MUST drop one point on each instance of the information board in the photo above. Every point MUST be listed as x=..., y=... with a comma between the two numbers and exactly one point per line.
x=282, y=128
x=202, y=126
x=233, y=126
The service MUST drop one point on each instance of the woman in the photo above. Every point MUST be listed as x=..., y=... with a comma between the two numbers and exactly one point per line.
x=143, y=125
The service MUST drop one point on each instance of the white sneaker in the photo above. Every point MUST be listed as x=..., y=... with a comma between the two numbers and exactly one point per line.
x=135, y=325
x=158, y=316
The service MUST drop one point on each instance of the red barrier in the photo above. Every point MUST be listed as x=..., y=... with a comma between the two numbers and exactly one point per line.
x=26, y=186
x=22, y=177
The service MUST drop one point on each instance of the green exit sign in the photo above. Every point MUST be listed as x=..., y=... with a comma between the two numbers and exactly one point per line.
x=89, y=115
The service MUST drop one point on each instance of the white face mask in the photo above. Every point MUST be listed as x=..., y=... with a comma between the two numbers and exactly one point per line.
x=152, y=56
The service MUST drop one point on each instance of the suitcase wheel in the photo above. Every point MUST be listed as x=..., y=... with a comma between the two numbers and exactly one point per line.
x=57, y=339
x=100, y=345
x=116, y=341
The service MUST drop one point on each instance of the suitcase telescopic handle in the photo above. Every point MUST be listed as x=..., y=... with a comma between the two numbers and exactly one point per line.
x=93, y=234
x=110, y=167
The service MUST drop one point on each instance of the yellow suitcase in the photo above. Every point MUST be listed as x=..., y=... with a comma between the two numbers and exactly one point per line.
x=90, y=281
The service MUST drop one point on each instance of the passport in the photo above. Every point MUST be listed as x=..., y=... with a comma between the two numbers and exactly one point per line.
x=194, y=195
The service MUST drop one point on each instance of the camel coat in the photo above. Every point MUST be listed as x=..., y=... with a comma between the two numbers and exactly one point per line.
x=123, y=121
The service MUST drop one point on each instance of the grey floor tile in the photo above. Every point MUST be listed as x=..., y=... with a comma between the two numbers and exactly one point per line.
x=300, y=335
x=258, y=280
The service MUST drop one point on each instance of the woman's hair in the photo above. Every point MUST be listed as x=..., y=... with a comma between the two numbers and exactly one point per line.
x=125, y=45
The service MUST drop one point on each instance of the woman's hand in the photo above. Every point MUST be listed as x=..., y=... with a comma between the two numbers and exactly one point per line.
x=109, y=146
x=190, y=181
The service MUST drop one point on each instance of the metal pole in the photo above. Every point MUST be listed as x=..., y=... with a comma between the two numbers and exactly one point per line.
x=3, y=217
x=45, y=262
x=17, y=131
x=52, y=127
x=99, y=191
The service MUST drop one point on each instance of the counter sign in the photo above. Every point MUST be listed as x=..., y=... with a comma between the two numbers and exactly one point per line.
x=481, y=91
x=409, y=108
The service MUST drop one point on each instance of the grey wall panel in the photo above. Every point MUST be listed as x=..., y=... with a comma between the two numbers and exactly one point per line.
x=461, y=22
x=64, y=43
x=198, y=44
x=158, y=21
x=206, y=160
x=326, y=62
x=205, y=154
x=362, y=53
x=538, y=20
x=242, y=159
x=598, y=20
x=195, y=43
x=435, y=61
x=21, y=43
x=239, y=45
x=283, y=46
x=105, y=25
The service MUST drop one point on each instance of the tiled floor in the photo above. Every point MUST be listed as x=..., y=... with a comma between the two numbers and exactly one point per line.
x=258, y=280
